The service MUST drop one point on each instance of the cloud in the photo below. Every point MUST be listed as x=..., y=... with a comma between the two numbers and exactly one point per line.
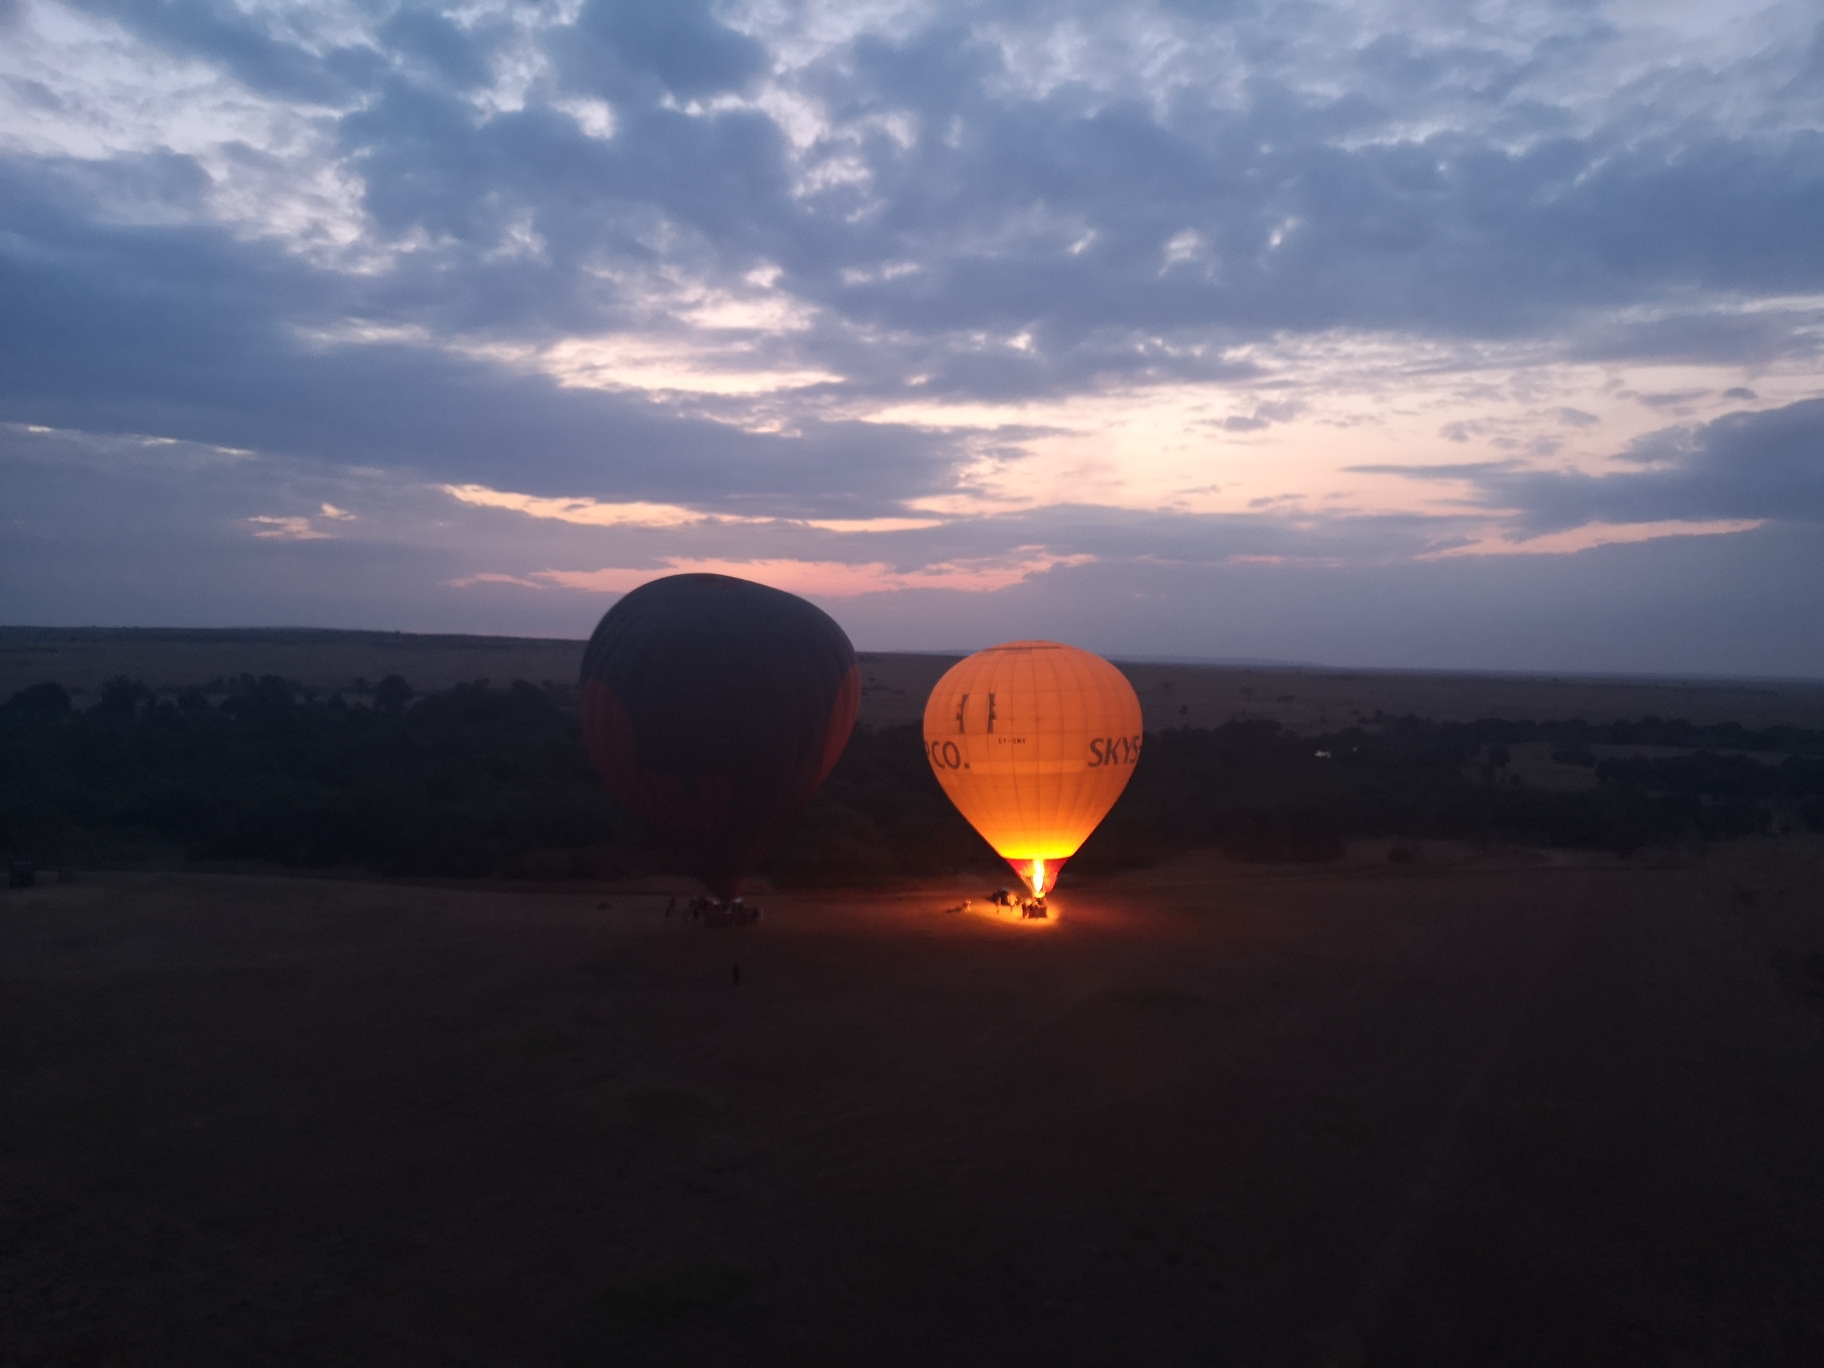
x=679, y=366
x=587, y=512
x=184, y=333
x=1723, y=605
x=286, y=529
x=490, y=577
x=163, y=539
x=1485, y=189
x=594, y=513
x=897, y=287
x=833, y=579
x=1748, y=467
x=1589, y=536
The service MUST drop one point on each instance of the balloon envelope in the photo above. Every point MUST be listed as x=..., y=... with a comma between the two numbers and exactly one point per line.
x=1033, y=741
x=714, y=707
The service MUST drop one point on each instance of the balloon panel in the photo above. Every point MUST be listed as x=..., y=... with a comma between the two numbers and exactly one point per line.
x=714, y=707
x=1033, y=741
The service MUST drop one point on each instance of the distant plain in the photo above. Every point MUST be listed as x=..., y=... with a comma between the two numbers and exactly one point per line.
x=1483, y=1105
x=895, y=685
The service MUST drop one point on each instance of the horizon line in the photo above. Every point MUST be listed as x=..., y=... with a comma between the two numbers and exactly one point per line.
x=958, y=653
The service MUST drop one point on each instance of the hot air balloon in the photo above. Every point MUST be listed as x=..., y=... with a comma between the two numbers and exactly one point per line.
x=1033, y=741
x=714, y=707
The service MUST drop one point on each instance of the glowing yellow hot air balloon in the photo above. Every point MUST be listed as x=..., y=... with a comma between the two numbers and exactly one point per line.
x=1033, y=741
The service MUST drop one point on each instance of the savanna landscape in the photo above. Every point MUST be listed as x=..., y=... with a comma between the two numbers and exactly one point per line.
x=1292, y=1074
x=1320, y=864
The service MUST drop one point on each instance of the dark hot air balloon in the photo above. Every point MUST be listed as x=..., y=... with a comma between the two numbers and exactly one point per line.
x=714, y=707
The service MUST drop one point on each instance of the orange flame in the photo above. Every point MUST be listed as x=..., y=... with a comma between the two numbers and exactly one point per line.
x=1037, y=878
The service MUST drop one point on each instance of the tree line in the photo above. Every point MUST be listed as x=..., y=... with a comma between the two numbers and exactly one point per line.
x=486, y=781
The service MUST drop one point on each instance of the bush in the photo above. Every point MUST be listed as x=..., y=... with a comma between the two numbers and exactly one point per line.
x=457, y=785
x=478, y=781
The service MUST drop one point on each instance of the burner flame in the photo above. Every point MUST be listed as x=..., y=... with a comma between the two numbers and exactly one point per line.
x=1037, y=878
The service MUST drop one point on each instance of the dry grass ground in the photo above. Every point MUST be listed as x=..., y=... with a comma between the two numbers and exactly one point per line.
x=895, y=685
x=1496, y=1109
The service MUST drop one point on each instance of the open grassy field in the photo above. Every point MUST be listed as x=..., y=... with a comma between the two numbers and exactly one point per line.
x=895, y=684
x=1502, y=1108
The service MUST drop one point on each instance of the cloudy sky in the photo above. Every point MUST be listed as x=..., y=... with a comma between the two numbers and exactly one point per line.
x=1453, y=334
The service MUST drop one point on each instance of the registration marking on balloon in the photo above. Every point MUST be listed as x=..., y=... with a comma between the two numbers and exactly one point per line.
x=1033, y=741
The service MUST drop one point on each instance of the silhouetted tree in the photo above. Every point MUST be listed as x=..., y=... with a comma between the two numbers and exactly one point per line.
x=38, y=705
x=121, y=696
x=392, y=694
